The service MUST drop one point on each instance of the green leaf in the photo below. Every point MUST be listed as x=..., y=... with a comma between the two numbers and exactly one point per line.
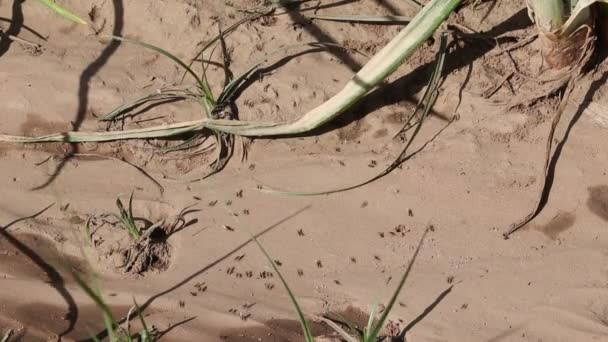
x=373, y=334
x=146, y=334
x=63, y=11
x=303, y=322
x=108, y=319
x=235, y=84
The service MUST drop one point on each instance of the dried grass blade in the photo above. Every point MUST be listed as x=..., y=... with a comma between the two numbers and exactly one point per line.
x=390, y=19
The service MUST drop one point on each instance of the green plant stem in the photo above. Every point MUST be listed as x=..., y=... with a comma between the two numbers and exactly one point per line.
x=375, y=71
x=549, y=15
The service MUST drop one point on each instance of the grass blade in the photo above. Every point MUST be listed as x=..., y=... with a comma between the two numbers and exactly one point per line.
x=303, y=322
x=163, y=94
x=108, y=319
x=63, y=11
x=131, y=206
x=235, y=84
x=226, y=32
x=370, y=321
x=162, y=131
x=146, y=334
x=373, y=334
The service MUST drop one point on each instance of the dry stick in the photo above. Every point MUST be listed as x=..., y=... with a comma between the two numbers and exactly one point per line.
x=574, y=77
x=491, y=91
x=20, y=40
x=17, y=39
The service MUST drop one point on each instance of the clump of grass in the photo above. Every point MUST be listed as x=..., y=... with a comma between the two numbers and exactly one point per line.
x=372, y=331
x=147, y=248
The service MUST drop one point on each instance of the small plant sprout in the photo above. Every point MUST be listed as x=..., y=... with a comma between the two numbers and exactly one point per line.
x=125, y=216
x=373, y=329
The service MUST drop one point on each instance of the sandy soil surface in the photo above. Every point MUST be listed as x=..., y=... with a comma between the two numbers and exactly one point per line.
x=469, y=179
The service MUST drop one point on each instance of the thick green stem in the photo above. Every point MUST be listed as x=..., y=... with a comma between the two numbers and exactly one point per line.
x=385, y=62
x=563, y=30
x=549, y=15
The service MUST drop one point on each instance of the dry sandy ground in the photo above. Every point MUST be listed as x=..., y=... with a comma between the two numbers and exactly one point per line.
x=483, y=172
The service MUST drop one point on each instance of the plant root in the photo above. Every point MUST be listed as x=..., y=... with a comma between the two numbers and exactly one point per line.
x=567, y=84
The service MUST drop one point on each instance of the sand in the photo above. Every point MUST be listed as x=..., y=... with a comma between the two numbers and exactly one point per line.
x=469, y=179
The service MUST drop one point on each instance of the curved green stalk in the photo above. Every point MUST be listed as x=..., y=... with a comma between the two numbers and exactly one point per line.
x=375, y=71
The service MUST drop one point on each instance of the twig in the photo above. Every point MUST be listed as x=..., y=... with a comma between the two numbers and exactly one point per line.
x=515, y=46
x=20, y=40
x=488, y=93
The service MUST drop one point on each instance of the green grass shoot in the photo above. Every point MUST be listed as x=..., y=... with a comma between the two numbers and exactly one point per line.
x=373, y=330
x=67, y=14
x=301, y=318
x=126, y=218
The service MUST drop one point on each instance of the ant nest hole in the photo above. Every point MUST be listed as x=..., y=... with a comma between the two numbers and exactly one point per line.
x=120, y=251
